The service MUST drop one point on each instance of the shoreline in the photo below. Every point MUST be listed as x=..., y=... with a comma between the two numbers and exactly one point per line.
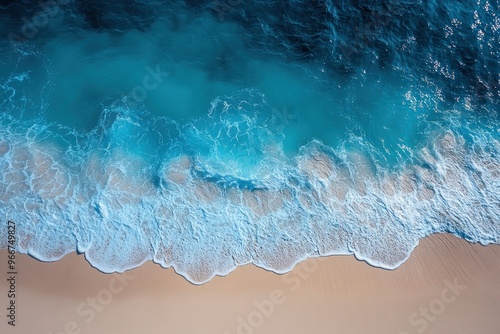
x=455, y=281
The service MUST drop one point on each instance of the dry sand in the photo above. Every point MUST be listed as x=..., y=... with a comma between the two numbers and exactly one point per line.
x=447, y=286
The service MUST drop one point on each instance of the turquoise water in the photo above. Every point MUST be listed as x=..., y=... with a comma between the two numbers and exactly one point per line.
x=172, y=135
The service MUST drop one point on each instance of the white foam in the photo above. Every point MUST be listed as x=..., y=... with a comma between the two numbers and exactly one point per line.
x=322, y=203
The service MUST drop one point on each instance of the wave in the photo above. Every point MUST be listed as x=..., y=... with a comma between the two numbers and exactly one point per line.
x=205, y=212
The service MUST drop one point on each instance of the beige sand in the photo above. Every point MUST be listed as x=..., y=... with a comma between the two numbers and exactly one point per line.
x=447, y=286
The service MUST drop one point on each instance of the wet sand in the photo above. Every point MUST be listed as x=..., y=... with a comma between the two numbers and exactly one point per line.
x=447, y=286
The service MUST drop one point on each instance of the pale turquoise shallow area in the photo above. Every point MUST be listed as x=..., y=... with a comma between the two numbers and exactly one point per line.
x=74, y=84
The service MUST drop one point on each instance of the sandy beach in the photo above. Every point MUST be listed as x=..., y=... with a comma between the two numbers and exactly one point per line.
x=447, y=286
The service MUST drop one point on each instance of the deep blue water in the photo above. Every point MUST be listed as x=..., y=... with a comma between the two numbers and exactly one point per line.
x=205, y=135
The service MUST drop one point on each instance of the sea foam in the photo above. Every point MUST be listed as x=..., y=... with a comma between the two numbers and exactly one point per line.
x=206, y=213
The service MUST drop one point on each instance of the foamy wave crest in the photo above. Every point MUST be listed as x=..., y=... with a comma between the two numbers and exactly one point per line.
x=223, y=194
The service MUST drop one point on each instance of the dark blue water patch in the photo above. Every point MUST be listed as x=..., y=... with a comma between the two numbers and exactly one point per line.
x=445, y=42
x=117, y=15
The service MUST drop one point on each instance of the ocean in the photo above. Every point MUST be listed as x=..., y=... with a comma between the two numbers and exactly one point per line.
x=205, y=135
